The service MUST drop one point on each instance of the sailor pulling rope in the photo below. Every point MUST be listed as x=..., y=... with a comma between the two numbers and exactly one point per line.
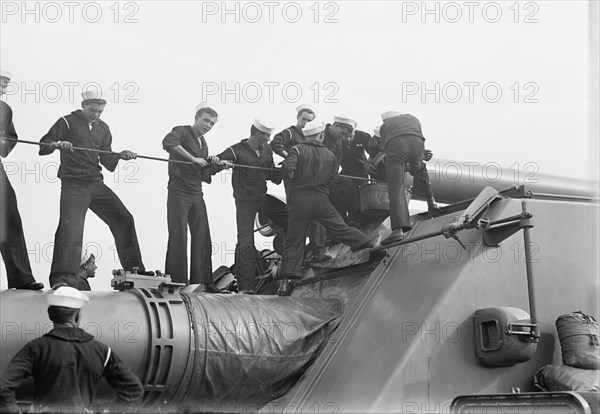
x=146, y=157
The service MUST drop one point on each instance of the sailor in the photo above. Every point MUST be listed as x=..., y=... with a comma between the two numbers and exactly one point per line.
x=185, y=200
x=308, y=168
x=67, y=365
x=281, y=144
x=354, y=156
x=12, y=239
x=291, y=136
x=344, y=194
x=83, y=186
x=404, y=149
x=376, y=161
x=79, y=281
x=250, y=194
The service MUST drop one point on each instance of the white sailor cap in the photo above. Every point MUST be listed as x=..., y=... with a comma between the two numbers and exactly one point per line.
x=306, y=107
x=5, y=74
x=376, y=131
x=343, y=119
x=85, y=257
x=313, y=128
x=92, y=94
x=66, y=297
x=389, y=114
x=264, y=126
x=203, y=105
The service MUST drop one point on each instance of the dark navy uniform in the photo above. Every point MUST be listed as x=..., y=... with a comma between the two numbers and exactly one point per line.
x=375, y=146
x=186, y=207
x=286, y=139
x=404, y=148
x=82, y=188
x=354, y=156
x=281, y=145
x=67, y=365
x=344, y=194
x=308, y=169
x=12, y=239
x=250, y=194
x=74, y=281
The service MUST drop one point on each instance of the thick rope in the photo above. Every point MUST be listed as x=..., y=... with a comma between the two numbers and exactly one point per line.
x=146, y=157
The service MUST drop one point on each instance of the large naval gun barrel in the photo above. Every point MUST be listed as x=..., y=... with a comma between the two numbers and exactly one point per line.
x=453, y=181
x=194, y=352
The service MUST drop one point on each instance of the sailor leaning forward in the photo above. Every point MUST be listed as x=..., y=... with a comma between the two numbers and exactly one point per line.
x=308, y=168
x=405, y=152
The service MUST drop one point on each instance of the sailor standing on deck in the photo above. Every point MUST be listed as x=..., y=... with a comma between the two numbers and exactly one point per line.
x=185, y=200
x=250, y=194
x=405, y=151
x=83, y=187
x=67, y=365
x=308, y=168
x=12, y=239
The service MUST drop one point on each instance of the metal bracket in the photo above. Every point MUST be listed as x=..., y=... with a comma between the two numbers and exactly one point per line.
x=170, y=288
x=496, y=232
x=123, y=280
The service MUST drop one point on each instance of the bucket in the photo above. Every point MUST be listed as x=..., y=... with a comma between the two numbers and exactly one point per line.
x=375, y=200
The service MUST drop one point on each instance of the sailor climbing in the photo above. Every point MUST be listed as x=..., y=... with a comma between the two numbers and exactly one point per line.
x=308, y=168
x=404, y=149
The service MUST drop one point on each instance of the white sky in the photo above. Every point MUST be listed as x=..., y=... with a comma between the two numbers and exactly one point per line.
x=360, y=58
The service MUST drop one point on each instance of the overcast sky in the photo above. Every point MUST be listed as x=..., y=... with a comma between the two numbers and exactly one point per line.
x=492, y=82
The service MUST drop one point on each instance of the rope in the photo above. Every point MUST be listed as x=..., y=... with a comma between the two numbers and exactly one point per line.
x=146, y=157
x=44, y=144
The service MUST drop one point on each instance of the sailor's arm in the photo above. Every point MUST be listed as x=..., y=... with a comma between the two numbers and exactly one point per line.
x=110, y=161
x=273, y=174
x=7, y=130
x=128, y=387
x=278, y=143
x=172, y=144
x=290, y=165
x=17, y=370
x=54, y=138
